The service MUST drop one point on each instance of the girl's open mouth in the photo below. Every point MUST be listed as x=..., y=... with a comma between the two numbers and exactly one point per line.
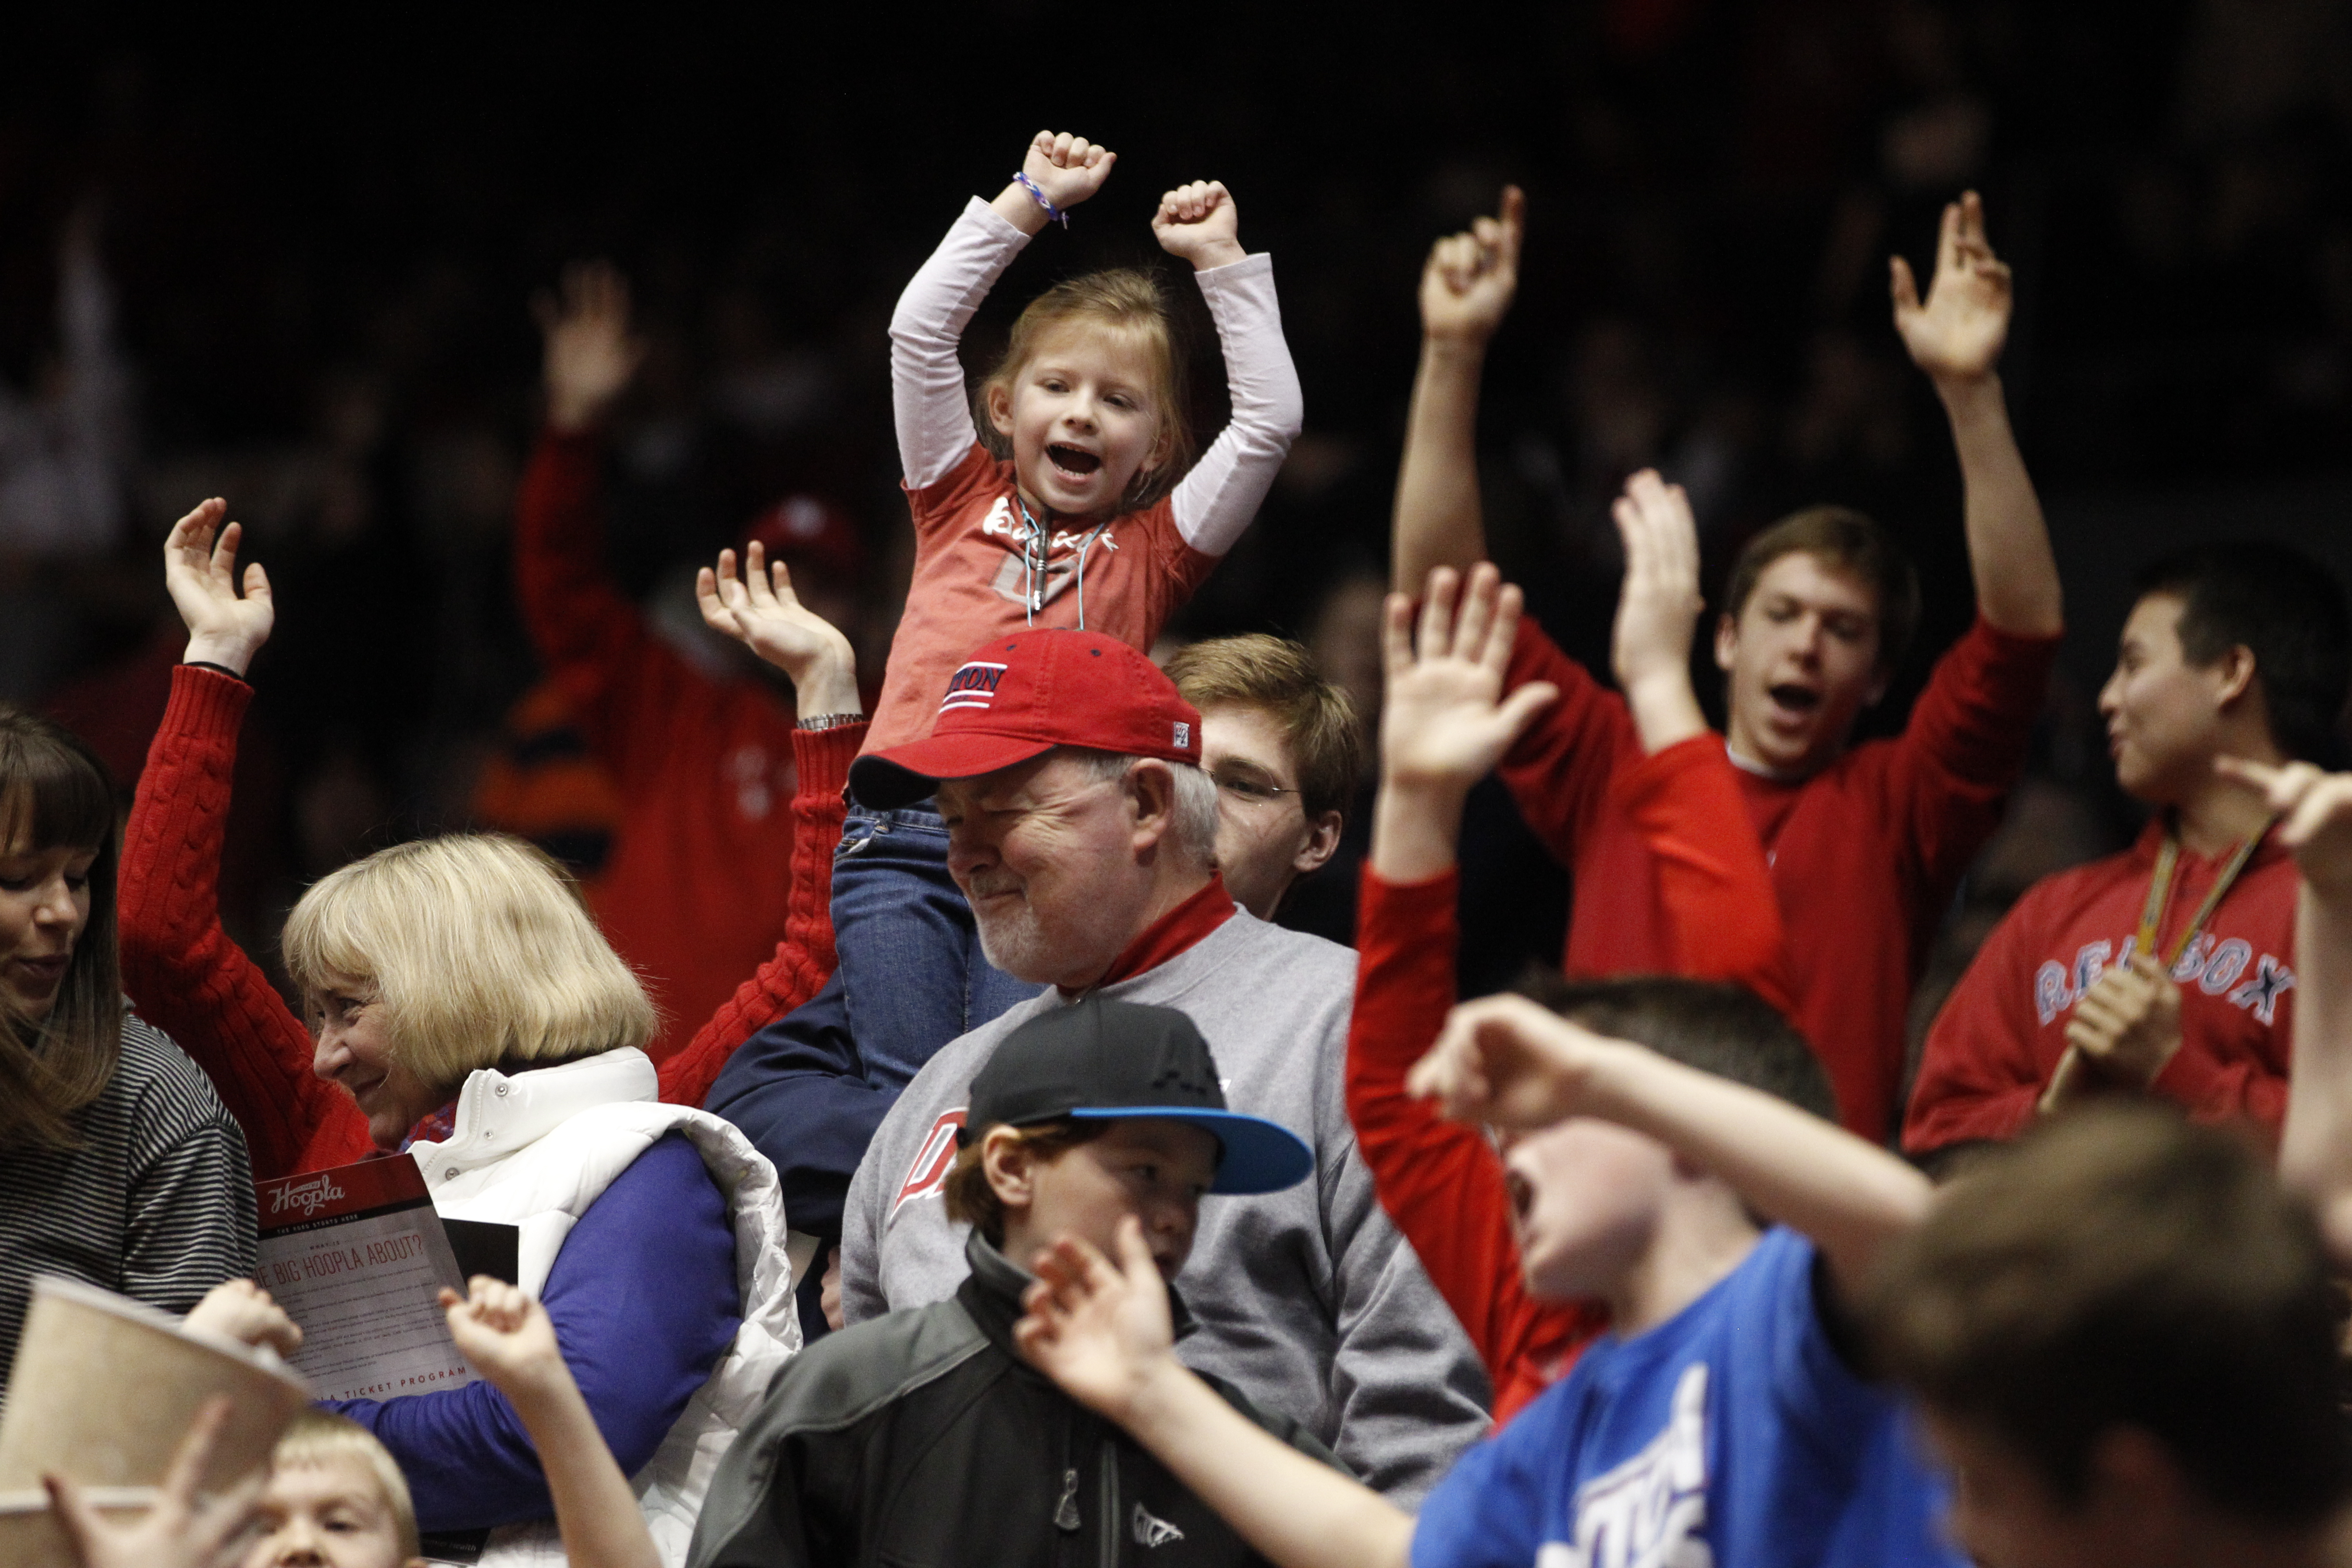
x=1071, y=460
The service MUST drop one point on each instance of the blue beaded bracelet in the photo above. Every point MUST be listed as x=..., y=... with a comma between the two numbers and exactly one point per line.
x=1053, y=212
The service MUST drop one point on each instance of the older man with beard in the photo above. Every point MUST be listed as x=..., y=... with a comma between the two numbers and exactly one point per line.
x=1082, y=830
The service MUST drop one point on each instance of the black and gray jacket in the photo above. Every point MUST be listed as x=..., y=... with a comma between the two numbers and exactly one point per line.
x=922, y=1439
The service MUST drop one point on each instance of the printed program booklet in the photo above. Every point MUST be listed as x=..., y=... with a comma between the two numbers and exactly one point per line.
x=358, y=1257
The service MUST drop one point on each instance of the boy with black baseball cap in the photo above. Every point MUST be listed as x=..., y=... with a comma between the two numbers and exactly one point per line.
x=1084, y=1117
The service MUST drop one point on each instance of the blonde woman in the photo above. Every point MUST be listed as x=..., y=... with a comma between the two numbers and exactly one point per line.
x=462, y=999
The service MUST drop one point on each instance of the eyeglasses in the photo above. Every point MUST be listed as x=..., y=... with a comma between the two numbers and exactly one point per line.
x=1250, y=787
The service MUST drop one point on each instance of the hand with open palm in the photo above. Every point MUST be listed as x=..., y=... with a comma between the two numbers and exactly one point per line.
x=199, y=572
x=1445, y=722
x=1957, y=333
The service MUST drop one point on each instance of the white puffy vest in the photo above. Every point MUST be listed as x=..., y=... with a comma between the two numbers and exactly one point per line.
x=534, y=1151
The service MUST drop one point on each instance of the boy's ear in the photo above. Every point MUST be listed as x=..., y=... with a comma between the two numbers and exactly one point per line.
x=2234, y=675
x=1322, y=842
x=1011, y=1166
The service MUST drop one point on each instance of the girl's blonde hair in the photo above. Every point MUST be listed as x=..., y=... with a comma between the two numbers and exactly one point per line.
x=1129, y=299
x=317, y=1439
x=480, y=952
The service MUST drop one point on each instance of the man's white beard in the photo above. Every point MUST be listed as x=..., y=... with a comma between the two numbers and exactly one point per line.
x=1014, y=942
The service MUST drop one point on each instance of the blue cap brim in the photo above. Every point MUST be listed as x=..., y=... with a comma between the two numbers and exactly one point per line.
x=1260, y=1156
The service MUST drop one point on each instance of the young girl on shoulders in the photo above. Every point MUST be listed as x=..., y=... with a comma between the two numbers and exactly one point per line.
x=1072, y=501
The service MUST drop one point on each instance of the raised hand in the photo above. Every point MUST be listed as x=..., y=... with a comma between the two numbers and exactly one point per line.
x=181, y=1530
x=2127, y=1024
x=1957, y=334
x=200, y=571
x=1099, y=1330
x=1444, y=722
x=1506, y=1062
x=1199, y=224
x=591, y=354
x=507, y=1336
x=1067, y=168
x=2315, y=812
x=1468, y=283
x=242, y=1311
x=1657, y=610
x=761, y=611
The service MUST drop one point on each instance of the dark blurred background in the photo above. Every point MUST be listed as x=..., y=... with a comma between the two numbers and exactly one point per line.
x=261, y=258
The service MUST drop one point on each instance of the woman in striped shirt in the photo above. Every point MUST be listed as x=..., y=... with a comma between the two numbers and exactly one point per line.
x=118, y=1164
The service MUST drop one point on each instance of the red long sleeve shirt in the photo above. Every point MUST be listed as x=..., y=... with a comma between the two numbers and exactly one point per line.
x=1439, y=1181
x=191, y=981
x=1863, y=854
x=2000, y=1036
x=699, y=886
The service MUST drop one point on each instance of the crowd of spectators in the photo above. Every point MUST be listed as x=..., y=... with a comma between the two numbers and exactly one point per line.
x=222, y=279
x=942, y=867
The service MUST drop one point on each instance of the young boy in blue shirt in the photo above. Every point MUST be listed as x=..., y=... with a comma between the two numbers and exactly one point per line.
x=1720, y=1421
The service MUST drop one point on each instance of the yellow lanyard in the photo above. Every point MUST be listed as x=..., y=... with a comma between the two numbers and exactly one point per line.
x=2159, y=893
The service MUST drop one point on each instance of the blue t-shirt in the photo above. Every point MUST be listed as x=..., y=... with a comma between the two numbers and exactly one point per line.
x=1731, y=1435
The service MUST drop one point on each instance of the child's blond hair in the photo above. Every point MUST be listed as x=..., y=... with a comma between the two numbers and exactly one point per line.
x=1129, y=299
x=317, y=1439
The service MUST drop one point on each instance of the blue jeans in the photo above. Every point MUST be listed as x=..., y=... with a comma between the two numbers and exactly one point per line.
x=810, y=1088
x=912, y=974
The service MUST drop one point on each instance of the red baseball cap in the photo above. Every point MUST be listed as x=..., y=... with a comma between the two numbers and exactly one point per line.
x=1019, y=697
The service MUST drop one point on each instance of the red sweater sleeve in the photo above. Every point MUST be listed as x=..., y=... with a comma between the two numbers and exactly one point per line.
x=804, y=959
x=1721, y=911
x=1438, y=1180
x=183, y=973
x=1965, y=745
x=1560, y=770
x=623, y=682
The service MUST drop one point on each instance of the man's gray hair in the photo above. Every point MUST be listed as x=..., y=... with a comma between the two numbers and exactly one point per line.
x=1194, y=831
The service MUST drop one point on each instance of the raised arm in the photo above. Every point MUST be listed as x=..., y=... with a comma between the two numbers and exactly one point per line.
x=624, y=682
x=1215, y=502
x=2315, y=1145
x=1505, y=1062
x=507, y=1337
x=1442, y=728
x=1957, y=337
x=760, y=610
x=185, y=974
x=590, y=350
x=1714, y=883
x=1100, y=1329
x=1465, y=289
x=1656, y=610
x=1445, y=722
x=928, y=400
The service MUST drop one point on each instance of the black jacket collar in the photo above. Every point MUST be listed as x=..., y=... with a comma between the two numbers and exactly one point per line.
x=990, y=1294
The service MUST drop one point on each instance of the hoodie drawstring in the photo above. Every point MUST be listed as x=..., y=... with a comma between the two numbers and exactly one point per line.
x=1036, y=563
